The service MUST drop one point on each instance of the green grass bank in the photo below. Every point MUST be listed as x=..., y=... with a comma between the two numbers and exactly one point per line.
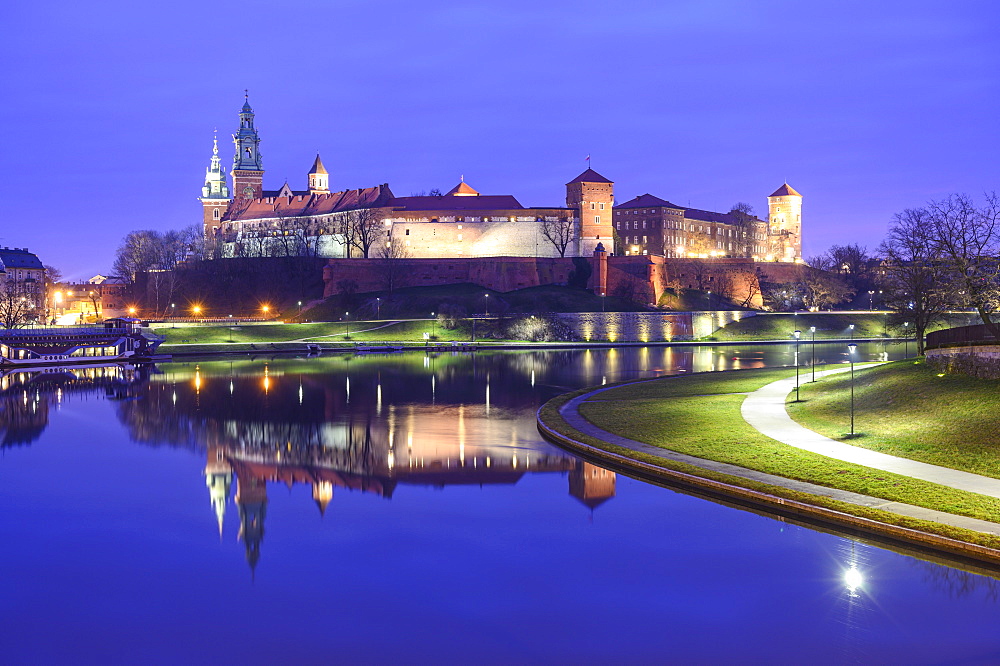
x=699, y=415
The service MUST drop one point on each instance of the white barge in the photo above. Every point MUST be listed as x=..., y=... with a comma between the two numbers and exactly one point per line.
x=120, y=339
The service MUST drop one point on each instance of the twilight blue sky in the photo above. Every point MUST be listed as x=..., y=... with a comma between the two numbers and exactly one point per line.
x=865, y=107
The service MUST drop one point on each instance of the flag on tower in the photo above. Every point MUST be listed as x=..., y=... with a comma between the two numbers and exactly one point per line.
x=588, y=158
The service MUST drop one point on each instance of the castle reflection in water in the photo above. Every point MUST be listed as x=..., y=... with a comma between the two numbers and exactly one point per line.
x=331, y=424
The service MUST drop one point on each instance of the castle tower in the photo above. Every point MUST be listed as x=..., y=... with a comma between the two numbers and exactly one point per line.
x=214, y=193
x=219, y=479
x=319, y=179
x=248, y=172
x=592, y=196
x=591, y=484
x=251, y=500
x=784, y=209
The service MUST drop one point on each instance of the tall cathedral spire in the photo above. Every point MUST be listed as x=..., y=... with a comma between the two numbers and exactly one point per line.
x=248, y=171
x=215, y=192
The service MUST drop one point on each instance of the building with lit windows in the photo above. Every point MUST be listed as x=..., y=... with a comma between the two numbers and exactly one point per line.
x=373, y=222
x=650, y=225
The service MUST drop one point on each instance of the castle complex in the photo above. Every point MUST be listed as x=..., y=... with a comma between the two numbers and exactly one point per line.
x=246, y=220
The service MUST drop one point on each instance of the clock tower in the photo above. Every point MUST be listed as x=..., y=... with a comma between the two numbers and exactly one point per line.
x=248, y=172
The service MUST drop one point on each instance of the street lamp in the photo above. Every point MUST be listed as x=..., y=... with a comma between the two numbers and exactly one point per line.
x=196, y=310
x=434, y=323
x=870, y=295
x=851, y=326
x=812, y=362
x=487, y=298
x=851, y=348
x=347, y=319
x=798, y=334
x=265, y=309
x=378, y=308
x=173, y=315
x=906, y=339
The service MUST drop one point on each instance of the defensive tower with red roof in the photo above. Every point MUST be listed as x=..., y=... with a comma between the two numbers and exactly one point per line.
x=784, y=207
x=592, y=196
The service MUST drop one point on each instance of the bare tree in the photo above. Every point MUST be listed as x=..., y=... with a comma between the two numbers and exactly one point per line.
x=137, y=254
x=560, y=231
x=393, y=271
x=917, y=287
x=967, y=237
x=745, y=225
x=822, y=289
x=368, y=228
x=15, y=308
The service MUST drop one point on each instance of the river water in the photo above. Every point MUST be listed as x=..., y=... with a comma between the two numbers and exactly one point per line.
x=403, y=508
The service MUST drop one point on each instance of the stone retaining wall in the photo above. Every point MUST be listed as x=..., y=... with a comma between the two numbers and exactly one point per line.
x=976, y=361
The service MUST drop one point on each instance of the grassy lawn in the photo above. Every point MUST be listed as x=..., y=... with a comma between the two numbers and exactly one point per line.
x=780, y=326
x=833, y=325
x=700, y=415
x=360, y=331
x=906, y=409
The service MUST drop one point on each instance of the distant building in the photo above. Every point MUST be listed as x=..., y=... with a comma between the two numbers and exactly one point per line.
x=464, y=223
x=96, y=299
x=650, y=225
x=373, y=221
x=23, y=273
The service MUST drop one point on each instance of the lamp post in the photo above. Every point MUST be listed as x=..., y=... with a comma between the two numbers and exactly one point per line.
x=196, y=310
x=265, y=309
x=347, y=320
x=870, y=295
x=851, y=327
x=798, y=334
x=906, y=339
x=434, y=325
x=487, y=299
x=812, y=360
x=851, y=348
x=173, y=315
x=378, y=308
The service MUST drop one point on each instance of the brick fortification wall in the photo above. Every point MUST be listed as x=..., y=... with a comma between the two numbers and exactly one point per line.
x=641, y=278
x=497, y=273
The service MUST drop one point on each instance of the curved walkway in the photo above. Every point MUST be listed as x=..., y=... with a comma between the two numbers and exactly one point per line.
x=764, y=409
x=768, y=418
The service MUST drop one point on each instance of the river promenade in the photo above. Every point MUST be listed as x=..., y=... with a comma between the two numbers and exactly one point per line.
x=764, y=410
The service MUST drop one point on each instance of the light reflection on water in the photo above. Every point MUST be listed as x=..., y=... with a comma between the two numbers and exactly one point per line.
x=421, y=482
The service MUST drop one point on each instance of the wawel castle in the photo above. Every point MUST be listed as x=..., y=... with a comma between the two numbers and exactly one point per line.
x=246, y=220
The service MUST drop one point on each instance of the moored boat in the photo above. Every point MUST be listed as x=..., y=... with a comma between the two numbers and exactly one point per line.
x=121, y=339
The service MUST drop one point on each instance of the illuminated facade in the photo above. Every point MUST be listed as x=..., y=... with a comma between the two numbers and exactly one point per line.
x=462, y=223
x=650, y=225
x=23, y=273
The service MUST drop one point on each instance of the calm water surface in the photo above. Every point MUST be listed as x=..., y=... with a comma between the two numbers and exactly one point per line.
x=404, y=508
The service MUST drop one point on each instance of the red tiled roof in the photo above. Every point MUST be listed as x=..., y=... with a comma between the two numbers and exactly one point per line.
x=590, y=176
x=785, y=191
x=462, y=189
x=305, y=204
x=445, y=203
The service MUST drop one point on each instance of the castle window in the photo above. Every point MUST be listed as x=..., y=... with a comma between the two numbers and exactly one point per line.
x=597, y=219
x=460, y=226
x=215, y=214
x=460, y=237
x=602, y=206
x=593, y=206
x=407, y=232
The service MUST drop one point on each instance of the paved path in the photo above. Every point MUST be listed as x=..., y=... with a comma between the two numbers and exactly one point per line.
x=764, y=409
x=571, y=414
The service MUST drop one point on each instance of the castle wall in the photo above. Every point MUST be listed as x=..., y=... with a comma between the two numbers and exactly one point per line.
x=497, y=273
